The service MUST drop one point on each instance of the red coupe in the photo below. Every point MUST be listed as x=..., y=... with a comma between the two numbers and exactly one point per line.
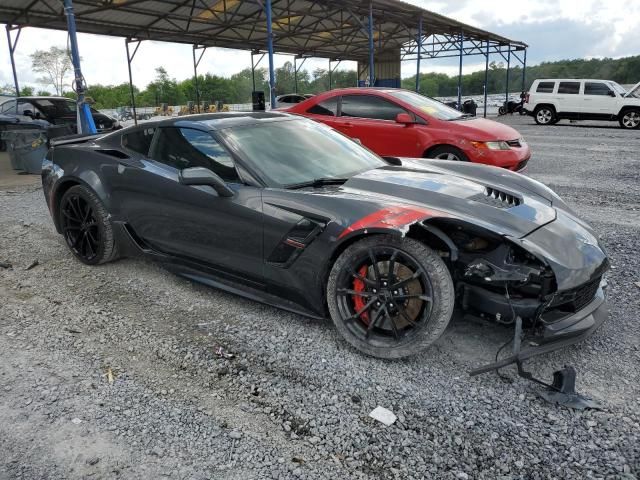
x=401, y=123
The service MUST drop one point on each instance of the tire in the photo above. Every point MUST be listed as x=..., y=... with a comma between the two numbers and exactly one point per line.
x=630, y=119
x=545, y=115
x=502, y=111
x=394, y=323
x=448, y=152
x=86, y=226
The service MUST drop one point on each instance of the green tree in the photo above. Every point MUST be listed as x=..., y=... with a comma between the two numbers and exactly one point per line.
x=54, y=65
x=162, y=90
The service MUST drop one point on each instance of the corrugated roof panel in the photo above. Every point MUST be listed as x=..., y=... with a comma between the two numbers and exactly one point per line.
x=322, y=27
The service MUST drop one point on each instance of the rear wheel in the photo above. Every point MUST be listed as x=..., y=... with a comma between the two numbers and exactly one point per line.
x=448, y=152
x=390, y=297
x=545, y=115
x=630, y=119
x=86, y=226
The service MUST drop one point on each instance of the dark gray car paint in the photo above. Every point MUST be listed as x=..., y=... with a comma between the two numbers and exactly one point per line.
x=235, y=236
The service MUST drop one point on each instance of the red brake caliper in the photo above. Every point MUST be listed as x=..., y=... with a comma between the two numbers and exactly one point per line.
x=358, y=301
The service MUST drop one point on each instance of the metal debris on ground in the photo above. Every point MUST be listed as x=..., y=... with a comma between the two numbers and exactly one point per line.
x=110, y=376
x=5, y=265
x=383, y=415
x=222, y=353
x=33, y=264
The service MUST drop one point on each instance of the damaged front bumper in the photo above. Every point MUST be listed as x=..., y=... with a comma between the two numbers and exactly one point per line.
x=558, y=334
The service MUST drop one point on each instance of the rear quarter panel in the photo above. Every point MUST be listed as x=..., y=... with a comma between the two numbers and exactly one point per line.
x=69, y=165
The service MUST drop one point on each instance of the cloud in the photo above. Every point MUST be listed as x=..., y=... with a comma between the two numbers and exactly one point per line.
x=554, y=29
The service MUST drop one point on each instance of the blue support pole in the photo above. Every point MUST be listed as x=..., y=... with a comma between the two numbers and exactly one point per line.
x=506, y=96
x=460, y=72
x=419, y=54
x=486, y=79
x=371, y=73
x=272, y=75
x=85, y=119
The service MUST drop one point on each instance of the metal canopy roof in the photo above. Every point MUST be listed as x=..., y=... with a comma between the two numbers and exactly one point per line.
x=316, y=28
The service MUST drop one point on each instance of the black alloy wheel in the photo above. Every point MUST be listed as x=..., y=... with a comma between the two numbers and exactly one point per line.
x=390, y=298
x=86, y=226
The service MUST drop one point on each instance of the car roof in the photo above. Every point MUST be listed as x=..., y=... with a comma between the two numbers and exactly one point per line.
x=572, y=80
x=364, y=89
x=50, y=97
x=218, y=121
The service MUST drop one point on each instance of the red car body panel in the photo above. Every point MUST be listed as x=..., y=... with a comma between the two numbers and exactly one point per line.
x=389, y=138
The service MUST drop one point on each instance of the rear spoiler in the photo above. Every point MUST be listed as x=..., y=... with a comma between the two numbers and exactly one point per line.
x=71, y=139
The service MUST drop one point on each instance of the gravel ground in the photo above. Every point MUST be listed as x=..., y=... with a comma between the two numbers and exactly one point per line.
x=112, y=371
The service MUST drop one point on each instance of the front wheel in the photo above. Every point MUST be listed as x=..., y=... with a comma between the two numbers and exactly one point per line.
x=545, y=116
x=447, y=152
x=390, y=297
x=86, y=226
x=502, y=111
x=630, y=119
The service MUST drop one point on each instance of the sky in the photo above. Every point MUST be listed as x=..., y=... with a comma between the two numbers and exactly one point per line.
x=554, y=30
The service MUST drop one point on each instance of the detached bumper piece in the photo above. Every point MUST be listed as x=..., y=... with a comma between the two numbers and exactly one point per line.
x=558, y=333
x=570, y=329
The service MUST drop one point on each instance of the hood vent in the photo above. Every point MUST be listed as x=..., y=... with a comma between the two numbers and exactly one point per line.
x=500, y=199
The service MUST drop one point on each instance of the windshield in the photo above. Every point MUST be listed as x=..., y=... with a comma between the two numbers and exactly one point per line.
x=634, y=93
x=288, y=153
x=57, y=107
x=618, y=88
x=427, y=105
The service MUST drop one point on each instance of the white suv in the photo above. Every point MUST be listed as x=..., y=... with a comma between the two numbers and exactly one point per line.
x=549, y=101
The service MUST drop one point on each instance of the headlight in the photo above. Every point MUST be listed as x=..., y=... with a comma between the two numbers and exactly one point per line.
x=491, y=145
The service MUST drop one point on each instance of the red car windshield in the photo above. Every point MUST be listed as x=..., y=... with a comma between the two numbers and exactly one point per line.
x=427, y=105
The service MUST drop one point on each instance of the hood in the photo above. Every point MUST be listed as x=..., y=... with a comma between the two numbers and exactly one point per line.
x=634, y=90
x=492, y=202
x=482, y=129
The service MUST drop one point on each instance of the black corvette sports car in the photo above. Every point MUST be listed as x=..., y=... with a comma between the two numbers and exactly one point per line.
x=286, y=211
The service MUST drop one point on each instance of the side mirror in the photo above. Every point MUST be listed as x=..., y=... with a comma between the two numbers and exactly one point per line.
x=612, y=93
x=204, y=176
x=404, y=118
x=27, y=113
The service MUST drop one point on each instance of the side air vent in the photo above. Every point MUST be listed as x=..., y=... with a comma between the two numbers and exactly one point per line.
x=501, y=199
x=112, y=153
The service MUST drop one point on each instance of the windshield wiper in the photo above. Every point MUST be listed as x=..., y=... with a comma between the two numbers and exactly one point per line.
x=464, y=115
x=317, y=182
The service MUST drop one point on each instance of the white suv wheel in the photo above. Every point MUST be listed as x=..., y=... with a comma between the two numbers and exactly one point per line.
x=631, y=119
x=544, y=116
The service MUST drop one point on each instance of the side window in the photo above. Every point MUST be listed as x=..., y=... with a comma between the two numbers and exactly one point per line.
x=596, y=88
x=327, y=107
x=185, y=147
x=22, y=106
x=139, y=140
x=572, y=88
x=368, y=106
x=9, y=107
x=545, y=87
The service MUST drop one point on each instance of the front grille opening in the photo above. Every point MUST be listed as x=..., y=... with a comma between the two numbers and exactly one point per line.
x=578, y=297
x=514, y=143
